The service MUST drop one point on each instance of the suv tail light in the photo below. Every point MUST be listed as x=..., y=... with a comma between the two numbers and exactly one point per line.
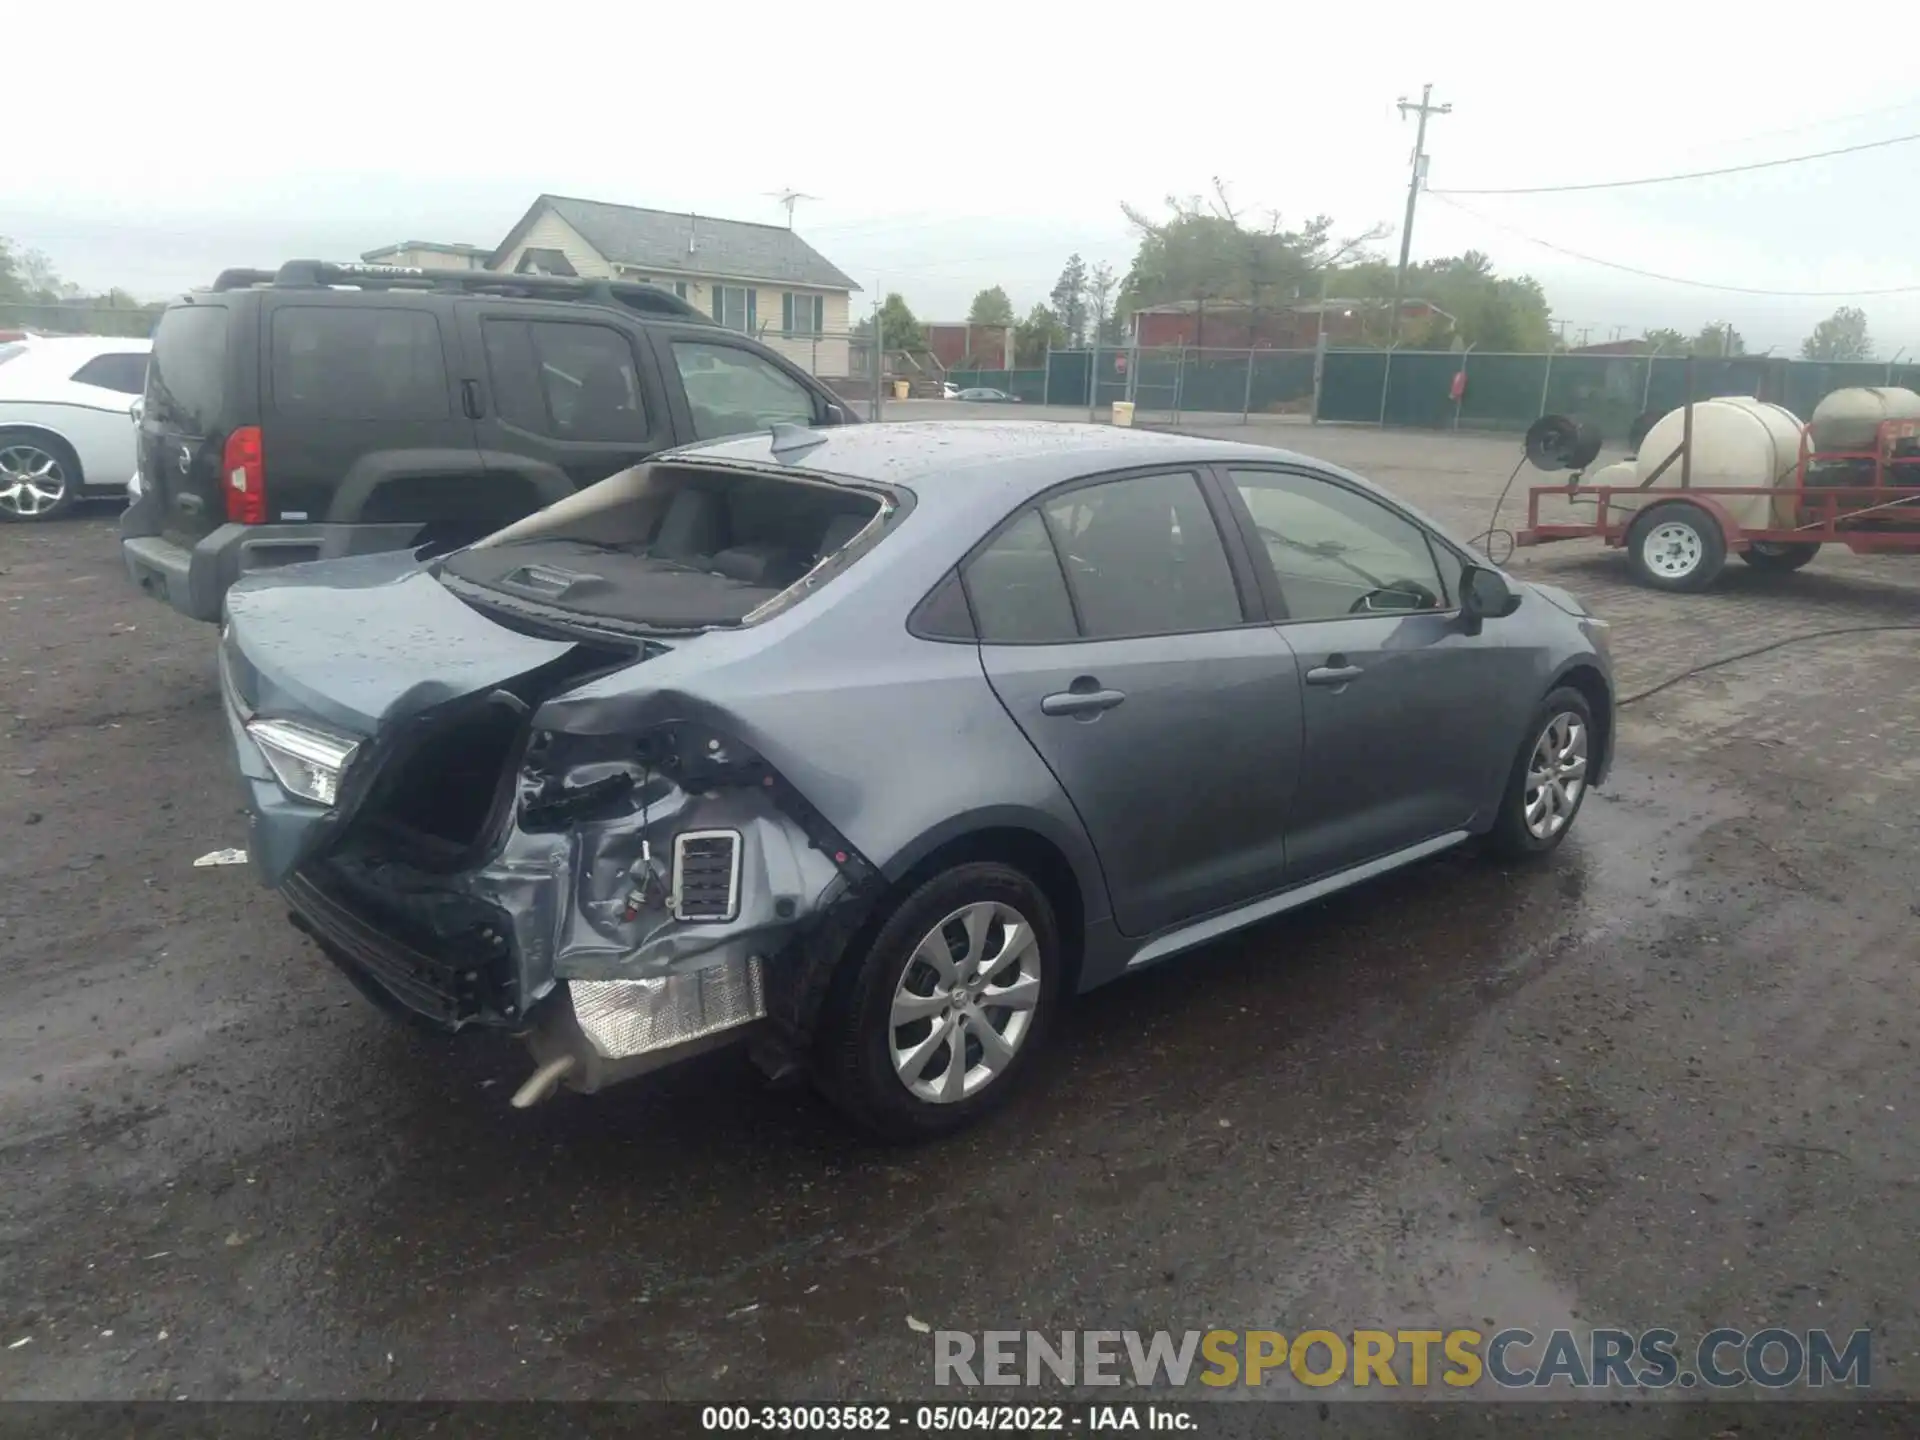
x=244, y=467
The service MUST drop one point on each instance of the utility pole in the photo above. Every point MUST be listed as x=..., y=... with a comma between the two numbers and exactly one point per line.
x=1425, y=108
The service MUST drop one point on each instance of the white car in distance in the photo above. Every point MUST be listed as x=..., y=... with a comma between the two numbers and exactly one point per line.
x=66, y=420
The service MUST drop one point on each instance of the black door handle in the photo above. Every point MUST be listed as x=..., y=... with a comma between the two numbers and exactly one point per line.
x=470, y=398
x=1335, y=672
x=1085, y=703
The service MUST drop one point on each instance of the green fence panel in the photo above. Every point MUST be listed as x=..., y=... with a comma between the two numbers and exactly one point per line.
x=1419, y=389
x=1350, y=382
x=1027, y=385
x=1503, y=391
x=1604, y=390
x=1069, y=373
x=1214, y=383
x=1282, y=382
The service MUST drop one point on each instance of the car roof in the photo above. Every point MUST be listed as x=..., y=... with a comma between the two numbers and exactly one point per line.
x=941, y=460
x=48, y=359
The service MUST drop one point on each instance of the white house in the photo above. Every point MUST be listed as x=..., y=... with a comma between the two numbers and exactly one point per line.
x=762, y=279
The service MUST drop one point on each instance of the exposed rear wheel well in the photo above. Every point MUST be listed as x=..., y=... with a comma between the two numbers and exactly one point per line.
x=458, y=508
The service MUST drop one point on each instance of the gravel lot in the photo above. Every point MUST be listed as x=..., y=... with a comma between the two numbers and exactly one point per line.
x=1668, y=1078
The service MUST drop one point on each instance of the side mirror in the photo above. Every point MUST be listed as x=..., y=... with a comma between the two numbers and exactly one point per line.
x=1485, y=595
x=836, y=415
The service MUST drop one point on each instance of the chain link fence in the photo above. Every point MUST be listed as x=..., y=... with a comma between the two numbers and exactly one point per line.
x=79, y=318
x=1432, y=390
x=1472, y=391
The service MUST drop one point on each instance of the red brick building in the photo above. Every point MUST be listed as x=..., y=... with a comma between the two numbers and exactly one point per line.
x=954, y=343
x=1233, y=324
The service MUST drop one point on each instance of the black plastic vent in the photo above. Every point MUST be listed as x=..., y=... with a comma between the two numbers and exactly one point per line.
x=706, y=875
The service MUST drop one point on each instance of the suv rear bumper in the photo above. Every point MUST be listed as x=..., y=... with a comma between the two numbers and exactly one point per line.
x=194, y=579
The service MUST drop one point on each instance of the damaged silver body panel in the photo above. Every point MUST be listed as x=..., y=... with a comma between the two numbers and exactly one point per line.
x=512, y=843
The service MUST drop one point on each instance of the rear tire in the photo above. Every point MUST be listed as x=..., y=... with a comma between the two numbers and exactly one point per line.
x=39, y=476
x=1780, y=555
x=1548, y=782
x=1676, y=547
x=886, y=1056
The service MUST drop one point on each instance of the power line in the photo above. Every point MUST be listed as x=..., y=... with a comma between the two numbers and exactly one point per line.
x=1671, y=279
x=1689, y=174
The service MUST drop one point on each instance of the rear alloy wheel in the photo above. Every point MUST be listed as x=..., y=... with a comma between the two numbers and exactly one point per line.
x=1780, y=555
x=1677, y=547
x=38, y=478
x=1548, y=782
x=947, y=1005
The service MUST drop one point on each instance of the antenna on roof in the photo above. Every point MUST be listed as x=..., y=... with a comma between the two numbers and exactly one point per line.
x=787, y=199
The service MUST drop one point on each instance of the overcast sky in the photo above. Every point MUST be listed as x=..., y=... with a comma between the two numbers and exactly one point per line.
x=152, y=146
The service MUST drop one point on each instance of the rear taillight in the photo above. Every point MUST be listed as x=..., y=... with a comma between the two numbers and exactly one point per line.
x=243, y=468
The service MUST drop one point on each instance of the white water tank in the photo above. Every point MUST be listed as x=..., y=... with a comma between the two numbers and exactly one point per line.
x=1850, y=419
x=1737, y=441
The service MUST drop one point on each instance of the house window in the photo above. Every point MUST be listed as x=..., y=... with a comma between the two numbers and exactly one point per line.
x=802, y=314
x=733, y=307
x=677, y=287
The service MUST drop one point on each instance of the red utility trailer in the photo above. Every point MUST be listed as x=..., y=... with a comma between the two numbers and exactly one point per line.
x=1681, y=540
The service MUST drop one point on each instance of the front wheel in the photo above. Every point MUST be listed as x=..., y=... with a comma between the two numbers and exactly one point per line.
x=1780, y=555
x=939, y=1019
x=1678, y=547
x=1548, y=782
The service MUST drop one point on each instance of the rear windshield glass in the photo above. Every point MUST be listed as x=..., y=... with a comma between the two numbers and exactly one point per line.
x=670, y=548
x=355, y=362
x=7, y=352
x=186, y=374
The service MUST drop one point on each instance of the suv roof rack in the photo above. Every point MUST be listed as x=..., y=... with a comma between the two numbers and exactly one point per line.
x=322, y=274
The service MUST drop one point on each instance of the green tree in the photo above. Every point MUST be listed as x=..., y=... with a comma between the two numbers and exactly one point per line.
x=1841, y=336
x=991, y=307
x=1481, y=308
x=1102, y=313
x=1719, y=339
x=899, y=329
x=1034, y=336
x=1069, y=296
x=1666, y=340
x=1205, y=251
x=12, y=286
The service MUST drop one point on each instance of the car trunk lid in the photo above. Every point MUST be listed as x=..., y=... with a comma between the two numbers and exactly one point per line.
x=380, y=654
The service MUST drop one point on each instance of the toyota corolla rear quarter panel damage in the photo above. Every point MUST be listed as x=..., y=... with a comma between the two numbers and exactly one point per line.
x=626, y=845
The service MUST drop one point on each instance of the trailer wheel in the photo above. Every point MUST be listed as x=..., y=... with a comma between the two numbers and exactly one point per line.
x=1678, y=547
x=1780, y=555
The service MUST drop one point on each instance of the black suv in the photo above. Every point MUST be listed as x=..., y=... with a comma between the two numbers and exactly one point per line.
x=329, y=410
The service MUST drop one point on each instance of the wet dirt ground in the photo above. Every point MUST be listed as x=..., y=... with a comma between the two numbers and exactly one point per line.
x=1668, y=1078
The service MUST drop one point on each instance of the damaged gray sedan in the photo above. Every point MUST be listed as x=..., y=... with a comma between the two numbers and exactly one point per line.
x=873, y=746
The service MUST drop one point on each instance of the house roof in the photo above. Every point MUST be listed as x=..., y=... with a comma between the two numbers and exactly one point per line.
x=660, y=239
x=437, y=247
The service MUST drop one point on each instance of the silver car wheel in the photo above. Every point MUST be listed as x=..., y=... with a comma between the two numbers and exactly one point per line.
x=965, y=1002
x=1673, y=550
x=32, y=481
x=1556, y=775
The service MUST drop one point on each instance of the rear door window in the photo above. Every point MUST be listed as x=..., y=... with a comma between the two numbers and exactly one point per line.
x=732, y=391
x=124, y=373
x=357, y=363
x=571, y=381
x=1144, y=557
x=187, y=372
x=1017, y=591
